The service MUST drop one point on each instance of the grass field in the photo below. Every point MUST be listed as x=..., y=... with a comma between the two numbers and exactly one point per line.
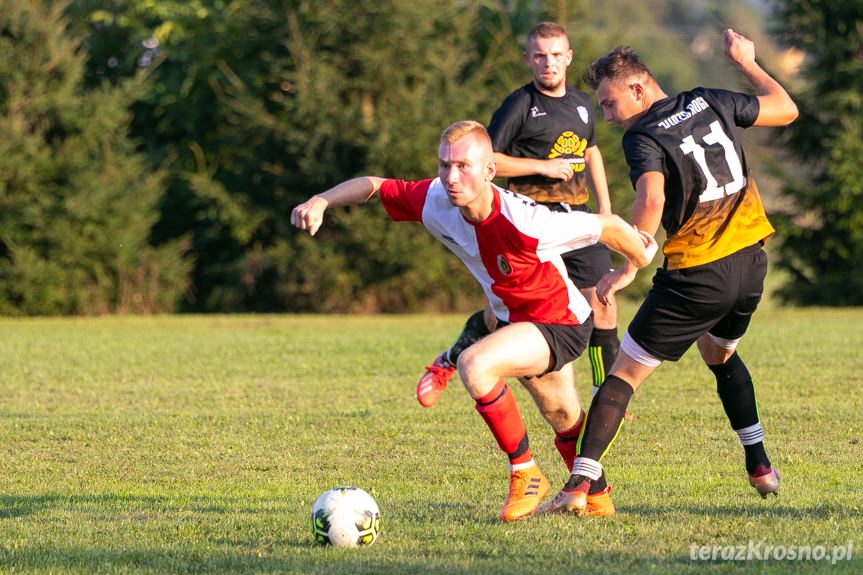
x=198, y=445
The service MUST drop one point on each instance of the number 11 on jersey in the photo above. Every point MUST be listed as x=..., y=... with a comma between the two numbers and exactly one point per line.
x=714, y=191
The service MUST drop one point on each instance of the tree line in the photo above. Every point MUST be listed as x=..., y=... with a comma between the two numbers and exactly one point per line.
x=151, y=152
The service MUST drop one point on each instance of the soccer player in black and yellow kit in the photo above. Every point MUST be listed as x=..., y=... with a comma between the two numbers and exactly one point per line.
x=690, y=174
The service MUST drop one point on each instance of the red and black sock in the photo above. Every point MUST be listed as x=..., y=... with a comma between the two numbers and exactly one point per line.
x=500, y=412
x=566, y=442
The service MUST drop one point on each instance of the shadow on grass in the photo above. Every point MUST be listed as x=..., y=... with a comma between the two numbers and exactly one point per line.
x=757, y=509
x=23, y=505
x=223, y=534
x=98, y=559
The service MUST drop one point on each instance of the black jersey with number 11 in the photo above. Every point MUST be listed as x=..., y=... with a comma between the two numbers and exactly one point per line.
x=712, y=206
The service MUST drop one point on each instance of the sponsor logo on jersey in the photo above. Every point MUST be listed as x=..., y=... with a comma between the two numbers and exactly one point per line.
x=503, y=265
x=568, y=145
x=518, y=196
x=582, y=113
x=695, y=106
x=535, y=112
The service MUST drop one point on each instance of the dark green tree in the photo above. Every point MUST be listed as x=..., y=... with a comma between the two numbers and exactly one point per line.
x=822, y=239
x=78, y=202
x=251, y=107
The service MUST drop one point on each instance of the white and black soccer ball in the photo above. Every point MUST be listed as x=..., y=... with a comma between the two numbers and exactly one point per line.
x=345, y=517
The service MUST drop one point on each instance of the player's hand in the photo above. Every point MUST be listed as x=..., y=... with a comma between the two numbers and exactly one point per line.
x=739, y=49
x=309, y=215
x=558, y=169
x=611, y=283
x=650, y=245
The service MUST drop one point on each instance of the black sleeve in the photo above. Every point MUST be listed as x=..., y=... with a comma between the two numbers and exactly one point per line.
x=743, y=107
x=506, y=122
x=642, y=154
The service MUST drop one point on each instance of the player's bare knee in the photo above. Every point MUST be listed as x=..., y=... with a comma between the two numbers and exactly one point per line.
x=471, y=368
x=605, y=317
x=715, y=351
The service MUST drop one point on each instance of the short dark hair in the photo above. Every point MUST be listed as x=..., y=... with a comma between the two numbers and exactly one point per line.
x=546, y=30
x=619, y=64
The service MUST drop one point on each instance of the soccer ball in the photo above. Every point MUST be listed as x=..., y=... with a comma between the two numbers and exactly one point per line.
x=345, y=517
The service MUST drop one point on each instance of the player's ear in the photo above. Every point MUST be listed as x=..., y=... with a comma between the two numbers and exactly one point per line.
x=637, y=91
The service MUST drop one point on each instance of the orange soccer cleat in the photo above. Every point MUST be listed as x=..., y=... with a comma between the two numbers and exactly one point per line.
x=599, y=504
x=527, y=487
x=434, y=381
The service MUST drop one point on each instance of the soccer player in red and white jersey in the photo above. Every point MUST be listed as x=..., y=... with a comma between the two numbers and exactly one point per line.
x=513, y=248
x=690, y=174
x=544, y=141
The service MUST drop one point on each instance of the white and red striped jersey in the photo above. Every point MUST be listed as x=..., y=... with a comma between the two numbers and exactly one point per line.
x=514, y=254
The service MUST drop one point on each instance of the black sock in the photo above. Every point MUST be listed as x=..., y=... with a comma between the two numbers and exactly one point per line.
x=602, y=349
x=604, y=417
x=596, y=485
x=735, y=389
x=474, y=329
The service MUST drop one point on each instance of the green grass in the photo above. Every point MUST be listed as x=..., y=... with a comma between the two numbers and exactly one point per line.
x=198, y=445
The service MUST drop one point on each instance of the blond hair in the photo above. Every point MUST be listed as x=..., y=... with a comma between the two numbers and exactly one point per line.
x=459, y=130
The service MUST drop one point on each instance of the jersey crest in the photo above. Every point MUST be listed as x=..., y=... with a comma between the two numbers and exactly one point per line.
x=503, y=265
x=582, y=113
x=569, y=145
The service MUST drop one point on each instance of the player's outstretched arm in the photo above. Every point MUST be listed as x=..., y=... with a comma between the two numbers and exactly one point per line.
x=637, y=246
x=776, y=108
x=309, y=215
x=512, y=167
x=646, y=217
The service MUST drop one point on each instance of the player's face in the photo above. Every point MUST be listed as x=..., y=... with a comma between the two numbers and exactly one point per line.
x=620, y=101
x=465, y=168
x=548, y=58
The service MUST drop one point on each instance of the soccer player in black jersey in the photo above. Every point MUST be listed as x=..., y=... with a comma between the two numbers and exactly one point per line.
x=544, y=142
x=690, y=174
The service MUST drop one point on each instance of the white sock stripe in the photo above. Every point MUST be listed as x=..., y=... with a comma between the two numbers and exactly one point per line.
x=587, y=467
x=751, y=435
x=520, y=466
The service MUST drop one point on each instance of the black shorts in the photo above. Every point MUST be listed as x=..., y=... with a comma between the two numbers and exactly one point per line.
x=587, y=265
x=717, y=298
x=566, y=342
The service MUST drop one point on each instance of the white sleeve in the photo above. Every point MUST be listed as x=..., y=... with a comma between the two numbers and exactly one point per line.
x=553, y=231
x=569, y=231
